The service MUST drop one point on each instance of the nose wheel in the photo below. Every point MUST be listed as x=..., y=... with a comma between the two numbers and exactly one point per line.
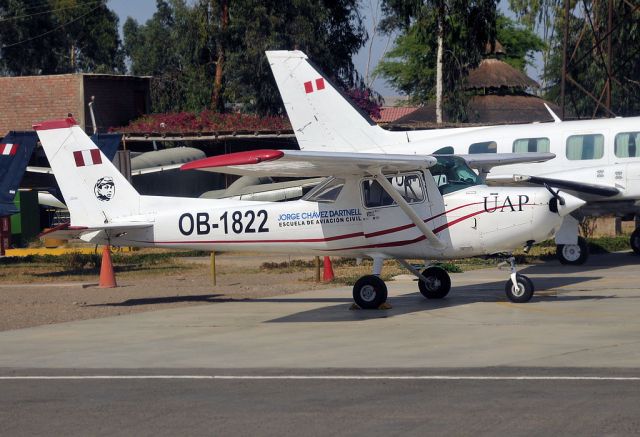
x=519, y=288
x=635, y=241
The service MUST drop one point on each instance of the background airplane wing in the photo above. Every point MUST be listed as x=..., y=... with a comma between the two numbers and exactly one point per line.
x=489, y=160
x=293, y=163
x=573, y=187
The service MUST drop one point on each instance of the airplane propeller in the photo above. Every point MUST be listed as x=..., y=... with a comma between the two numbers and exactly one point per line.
x=558, y=198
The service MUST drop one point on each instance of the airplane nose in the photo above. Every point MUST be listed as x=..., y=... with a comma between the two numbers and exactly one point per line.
x=571, y=203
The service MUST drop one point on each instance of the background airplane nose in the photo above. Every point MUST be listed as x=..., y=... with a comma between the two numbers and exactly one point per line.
x=571, y=203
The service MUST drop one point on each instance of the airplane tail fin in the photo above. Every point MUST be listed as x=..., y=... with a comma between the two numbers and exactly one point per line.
x=94, y=190
x=15, y=150
x=321, y=116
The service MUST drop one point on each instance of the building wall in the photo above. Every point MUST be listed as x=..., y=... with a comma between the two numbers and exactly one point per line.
x=29, y=99
x=118, y=100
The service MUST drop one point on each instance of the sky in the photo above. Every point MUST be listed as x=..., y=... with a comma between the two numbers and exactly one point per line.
x=142, y=10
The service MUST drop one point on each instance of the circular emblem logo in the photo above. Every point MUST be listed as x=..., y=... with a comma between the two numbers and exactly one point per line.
x=104, y=189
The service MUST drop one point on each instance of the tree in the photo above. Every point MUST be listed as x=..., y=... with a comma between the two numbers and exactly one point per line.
x=458, y=31
x=59, y=36
x=214, y=60
x=520, y=43
x=588, y=63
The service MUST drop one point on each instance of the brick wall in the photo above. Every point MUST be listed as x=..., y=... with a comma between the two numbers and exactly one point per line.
x=30, y=99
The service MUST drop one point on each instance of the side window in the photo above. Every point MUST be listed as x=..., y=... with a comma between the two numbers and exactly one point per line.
x=408, y=185
x=486, y=147
x=444, y=151
x=628, y=145
x=326, y=192
x=581, y=147
x=531, y=145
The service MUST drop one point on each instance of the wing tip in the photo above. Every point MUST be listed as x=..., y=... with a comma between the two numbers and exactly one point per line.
x=59, y=123
x=237, y=158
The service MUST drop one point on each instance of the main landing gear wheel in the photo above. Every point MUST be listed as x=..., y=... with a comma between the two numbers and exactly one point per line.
x=573, y=254
x=522, y=293
x=635, y=241
x=437, y=285
x=369, y=292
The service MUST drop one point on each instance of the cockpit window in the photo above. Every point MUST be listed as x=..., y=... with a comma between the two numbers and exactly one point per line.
x=452, y=173
x=326, y=192
x=408, y=185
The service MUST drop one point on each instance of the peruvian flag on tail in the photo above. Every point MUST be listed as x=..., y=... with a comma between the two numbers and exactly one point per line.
x=87, y=157
x=8, y=149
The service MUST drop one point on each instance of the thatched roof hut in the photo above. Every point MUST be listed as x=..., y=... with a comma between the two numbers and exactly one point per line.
x=496, y=74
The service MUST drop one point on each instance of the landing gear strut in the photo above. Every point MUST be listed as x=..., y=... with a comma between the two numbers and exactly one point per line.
x=575, y=254
x=434, y=282
x=519, y=288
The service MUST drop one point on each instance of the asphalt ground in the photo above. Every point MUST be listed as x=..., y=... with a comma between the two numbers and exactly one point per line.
x=305, y=364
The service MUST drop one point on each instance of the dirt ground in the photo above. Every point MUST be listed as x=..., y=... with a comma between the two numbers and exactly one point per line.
x=65, y=299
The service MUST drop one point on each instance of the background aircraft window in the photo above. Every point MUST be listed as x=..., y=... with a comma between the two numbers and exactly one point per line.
x=486, y=147
x=627, y=145
x=326, y=192
x=408, y=185
x=531, y=145
x=452, y=173
x=444, y=151
x=580, y=147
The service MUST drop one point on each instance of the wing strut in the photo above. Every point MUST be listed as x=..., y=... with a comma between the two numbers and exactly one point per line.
x=415, y=218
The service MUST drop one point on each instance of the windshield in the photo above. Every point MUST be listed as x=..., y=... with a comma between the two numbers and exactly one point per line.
x=326, y=192
x=452, y=173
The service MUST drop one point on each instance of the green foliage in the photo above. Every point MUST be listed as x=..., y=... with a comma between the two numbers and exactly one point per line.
x=411, y=65
x=180, y=45
x=59, y=36
x=588, y=67
x=519, y=43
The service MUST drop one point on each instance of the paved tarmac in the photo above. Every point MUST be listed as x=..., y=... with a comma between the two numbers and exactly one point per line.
x=568, y=362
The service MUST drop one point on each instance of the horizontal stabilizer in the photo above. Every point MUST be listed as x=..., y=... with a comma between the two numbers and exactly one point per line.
x=293, y=163
x=67, y=232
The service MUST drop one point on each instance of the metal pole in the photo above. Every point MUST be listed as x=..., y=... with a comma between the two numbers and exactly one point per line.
x=317, y=269
x=609, y=54
x=213, y=268
x=565, y=38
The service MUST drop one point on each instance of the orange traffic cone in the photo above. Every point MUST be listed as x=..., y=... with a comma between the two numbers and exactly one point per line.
x=107, y=276
x=327, y=275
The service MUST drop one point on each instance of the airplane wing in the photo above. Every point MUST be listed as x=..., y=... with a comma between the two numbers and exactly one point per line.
x=486, y=161
x=578, y=187
x=294, y=163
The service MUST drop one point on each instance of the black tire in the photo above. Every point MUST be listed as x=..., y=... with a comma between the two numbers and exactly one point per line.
x=523, y=294
x=635, y=241
x=573, y=254
x=438, y=283
x=369, y=292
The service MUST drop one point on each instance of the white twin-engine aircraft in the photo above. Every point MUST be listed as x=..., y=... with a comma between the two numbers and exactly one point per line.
x=380, y=206
x=597, y=160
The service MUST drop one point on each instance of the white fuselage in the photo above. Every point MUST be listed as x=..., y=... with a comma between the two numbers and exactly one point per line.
x=612, y=166
x=474, y=221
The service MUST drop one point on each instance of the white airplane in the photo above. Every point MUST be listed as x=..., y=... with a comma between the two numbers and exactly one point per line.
x=598, y=160
x=379, y=206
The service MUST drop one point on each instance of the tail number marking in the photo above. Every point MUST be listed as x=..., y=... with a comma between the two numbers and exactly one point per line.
x=235, y=222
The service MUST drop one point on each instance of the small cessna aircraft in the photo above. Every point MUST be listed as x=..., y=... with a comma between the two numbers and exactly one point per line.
x=597, y=160
x=380, y=206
